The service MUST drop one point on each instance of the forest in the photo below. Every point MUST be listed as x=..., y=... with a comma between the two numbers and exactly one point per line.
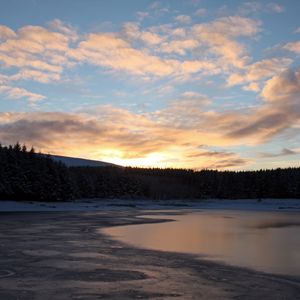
x=27, y=175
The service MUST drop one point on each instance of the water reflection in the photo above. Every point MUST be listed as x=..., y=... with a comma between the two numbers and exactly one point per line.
x=266, y=241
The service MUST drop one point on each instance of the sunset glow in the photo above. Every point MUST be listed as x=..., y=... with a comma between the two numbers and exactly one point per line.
x=187, y=84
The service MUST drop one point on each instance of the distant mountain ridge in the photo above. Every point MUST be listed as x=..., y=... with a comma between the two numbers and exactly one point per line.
x=81, y=162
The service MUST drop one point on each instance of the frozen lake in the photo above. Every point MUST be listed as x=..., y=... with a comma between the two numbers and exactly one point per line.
x=264, y=241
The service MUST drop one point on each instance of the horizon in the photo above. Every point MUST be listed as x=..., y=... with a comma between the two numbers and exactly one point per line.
x=194, y=85
x=68, y=164
x=189, y=169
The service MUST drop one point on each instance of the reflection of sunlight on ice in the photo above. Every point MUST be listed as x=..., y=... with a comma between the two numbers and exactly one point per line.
x=237, y=238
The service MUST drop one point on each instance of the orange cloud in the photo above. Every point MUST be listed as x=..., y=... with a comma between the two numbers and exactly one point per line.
x=37, y=53
x=293, y=47
x=34, y=47
x=280, y=112
x=167, y=137
x=18, y=93
x=43, y=53
x=260, y=70
x=220, y=36
x=179, y=46
x=6, y=33
x=111, y=134
x=253, y=86
x=132, y=31
x=284, y=87
x=109, y=50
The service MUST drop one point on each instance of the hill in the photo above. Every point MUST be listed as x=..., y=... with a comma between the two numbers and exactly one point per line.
x=81, y=162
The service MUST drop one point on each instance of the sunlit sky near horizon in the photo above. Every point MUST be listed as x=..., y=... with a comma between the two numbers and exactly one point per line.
x=188, y=84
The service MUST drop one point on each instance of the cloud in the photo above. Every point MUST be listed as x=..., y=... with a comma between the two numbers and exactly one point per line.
x=184, y=19
x=179, y=46
x=253, y=86
x=42, y=54
x=229, y=163
x=280, y=112
x=151, y=138
x=283, y=88
x=157, y=9
x=293, y=47
x=283, y=152
x=41, y=129
x=171, y=53
x=151, y=38
x=113, y=52
x=35, y=75
x=132, y=31
x=155, y=5
x=232, y=26
x=220, y=159
x=216, y=42
x=64, y=28
x=250, y=7
x=221, y=154
x=6, y=33
x=142, y=15
x=200, y=12
x=109, y=126
x=109, y=133
x=220, y=37
x=275, y=7
x=261, y=127
x=186, y=112
x=256, y=7
x=258, y=71
x=206, y=47
x=18, y=93
x=34, y=53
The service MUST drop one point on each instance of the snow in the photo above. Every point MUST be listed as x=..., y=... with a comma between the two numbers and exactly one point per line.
x=119, y=204
x=81, y=162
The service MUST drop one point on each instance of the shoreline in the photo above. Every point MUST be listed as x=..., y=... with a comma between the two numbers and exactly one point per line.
x=86, y=205
x=56, y=255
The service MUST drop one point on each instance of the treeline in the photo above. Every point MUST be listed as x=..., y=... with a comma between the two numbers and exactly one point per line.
x=25, y=175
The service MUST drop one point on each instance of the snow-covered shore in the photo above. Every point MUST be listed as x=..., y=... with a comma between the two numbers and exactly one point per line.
x=119, y=204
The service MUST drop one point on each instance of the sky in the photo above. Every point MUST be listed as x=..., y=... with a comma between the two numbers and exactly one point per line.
x=182, y=84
